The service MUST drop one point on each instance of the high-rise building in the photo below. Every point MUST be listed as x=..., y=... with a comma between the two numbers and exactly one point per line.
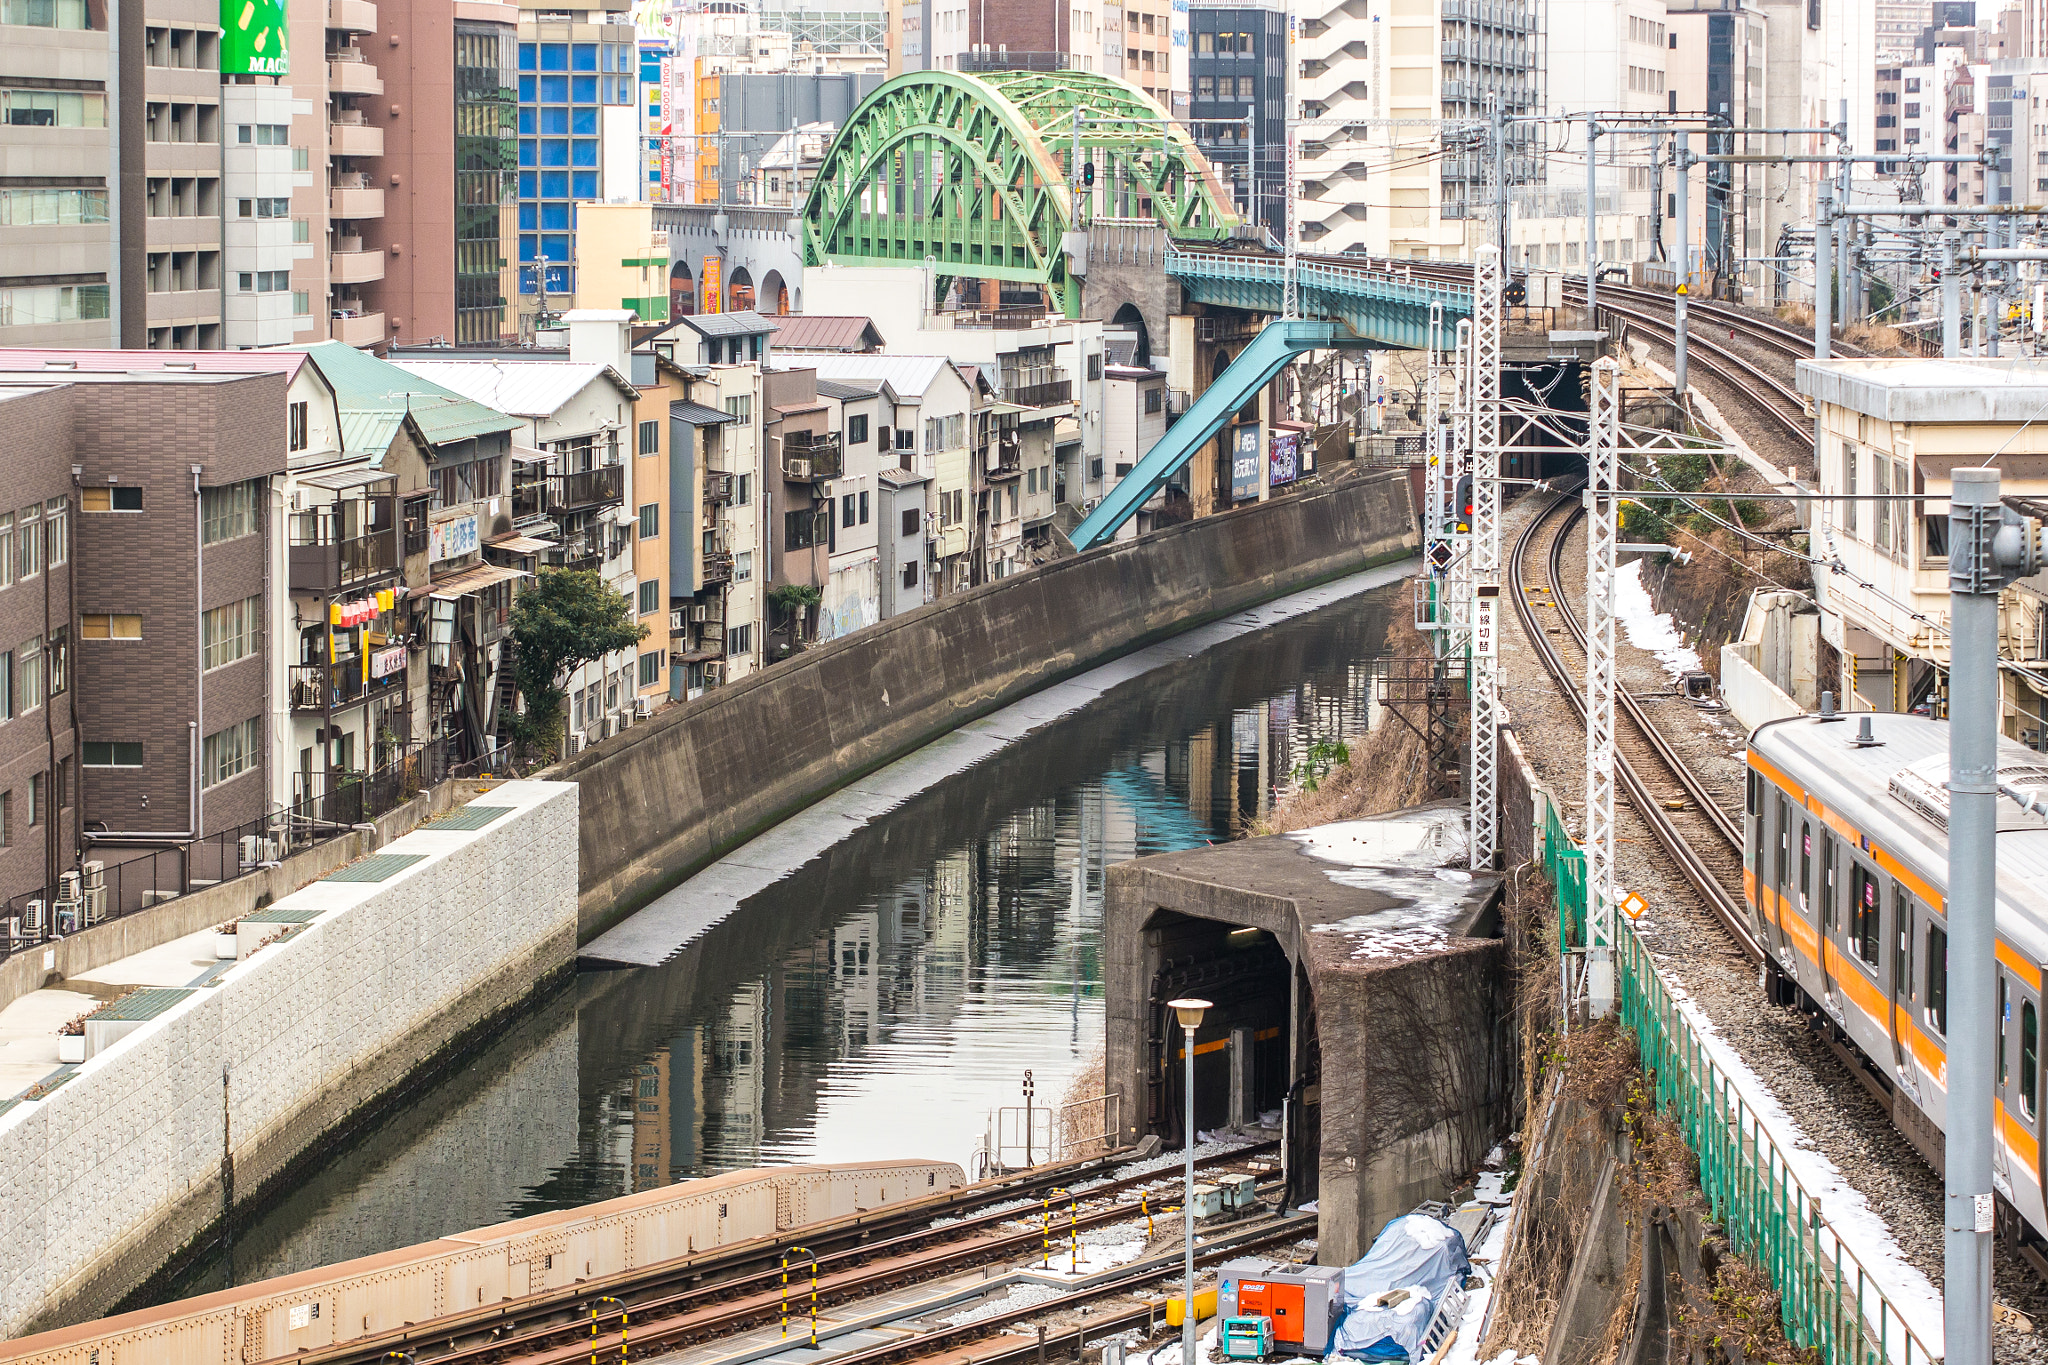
x=1237, y=69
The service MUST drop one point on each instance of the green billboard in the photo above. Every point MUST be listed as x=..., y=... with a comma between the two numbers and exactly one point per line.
x=252, y=40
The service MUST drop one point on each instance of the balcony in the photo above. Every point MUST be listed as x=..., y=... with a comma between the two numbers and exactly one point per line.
x=356, y=137
x=1004, y=459
x=181, y=307
x=352, y=16
x=350, y=73
x=352, y=196
x=356, y=267
x=329, y=687
x=322, y=561
x=810, y=459
x=358, y=329
x=1043, y=393
x=604, y=486
x=718, y=486
x=717, y=567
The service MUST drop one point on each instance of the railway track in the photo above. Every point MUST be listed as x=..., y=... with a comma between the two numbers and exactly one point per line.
x=717, y=1294
x=1692, y=826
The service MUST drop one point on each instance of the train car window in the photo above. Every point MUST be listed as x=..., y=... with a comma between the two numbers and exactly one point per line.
x=2030, y=1059
x=1902, y=942
x=1752, y=803
x=1937, y=978
x=1784, y=829
x=1864, y=912
x=2004, y=1014
x=1830, y=859
x=1805, y=867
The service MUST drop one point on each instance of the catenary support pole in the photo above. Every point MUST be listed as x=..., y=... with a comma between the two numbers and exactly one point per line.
x=1823, y=272
x=1485, y=382
x=1603, y=461
x=1592, y=221
x=1681, y=156
x=1974, y=578
x=1951, y=300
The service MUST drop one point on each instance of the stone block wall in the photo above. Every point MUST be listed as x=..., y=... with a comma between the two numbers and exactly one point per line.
x=138, y=1152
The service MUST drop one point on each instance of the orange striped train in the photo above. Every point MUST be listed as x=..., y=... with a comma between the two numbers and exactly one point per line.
x=1845, y=865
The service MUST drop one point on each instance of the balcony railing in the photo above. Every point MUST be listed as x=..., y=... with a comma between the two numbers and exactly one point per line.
x=323, y=561
x=600, y=487
x=1042, y=395
x=810, y=459
x=717, y=567
x=718, y=486
x=324, y=687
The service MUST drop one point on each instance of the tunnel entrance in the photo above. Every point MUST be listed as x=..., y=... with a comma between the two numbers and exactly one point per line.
x=1242, y=1048
x=1554, y=448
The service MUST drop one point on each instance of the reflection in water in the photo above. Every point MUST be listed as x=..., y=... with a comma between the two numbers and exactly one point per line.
x=877, y=1003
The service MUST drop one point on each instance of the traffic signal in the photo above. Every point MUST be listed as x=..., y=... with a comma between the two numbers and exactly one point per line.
x=1087, y=174
x=1462, y=503
x=1935, y=275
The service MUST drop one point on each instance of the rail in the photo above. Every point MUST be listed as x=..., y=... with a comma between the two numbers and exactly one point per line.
x=1318, y=272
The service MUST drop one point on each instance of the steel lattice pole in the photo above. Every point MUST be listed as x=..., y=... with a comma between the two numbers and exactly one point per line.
x=1485, y=381
x=1602, y=470
x=1457, y=462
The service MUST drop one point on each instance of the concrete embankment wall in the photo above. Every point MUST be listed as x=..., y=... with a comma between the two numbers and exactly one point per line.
x=136, y=1153
x=423, y=1293
x=173, y=919
x=662, y=800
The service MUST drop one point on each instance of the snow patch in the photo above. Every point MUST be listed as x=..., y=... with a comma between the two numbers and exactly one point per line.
x=1647, y=628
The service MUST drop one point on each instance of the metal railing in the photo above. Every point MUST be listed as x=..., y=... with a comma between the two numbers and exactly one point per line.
x=1830, y=1301
x=321, y=687
x=183, y=867
x=1042, y=394
x=1217, y=265
x=590, y=488
x=810, y=458
x=718, y=485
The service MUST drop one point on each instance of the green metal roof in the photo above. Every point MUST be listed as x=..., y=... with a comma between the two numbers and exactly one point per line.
x=281, y=914
x=469, y=817
x=376, y=867
x=139, y=1005
x=375, y=397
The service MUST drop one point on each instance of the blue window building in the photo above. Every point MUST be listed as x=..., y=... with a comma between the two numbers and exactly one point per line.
x=570, y=74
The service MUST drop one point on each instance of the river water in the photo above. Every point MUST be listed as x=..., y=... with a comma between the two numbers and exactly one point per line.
x=878, y=1002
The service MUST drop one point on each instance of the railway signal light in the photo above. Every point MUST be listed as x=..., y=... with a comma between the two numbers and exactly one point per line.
x=1462, y=502
x=1087, y=174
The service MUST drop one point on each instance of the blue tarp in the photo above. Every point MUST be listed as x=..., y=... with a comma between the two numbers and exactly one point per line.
x=1414, y=1252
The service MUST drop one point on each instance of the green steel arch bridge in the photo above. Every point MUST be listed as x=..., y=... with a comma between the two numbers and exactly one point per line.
x=998, y=176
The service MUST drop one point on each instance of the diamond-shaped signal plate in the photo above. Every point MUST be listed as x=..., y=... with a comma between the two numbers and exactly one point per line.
x=1633, y=905
x=1440, y=555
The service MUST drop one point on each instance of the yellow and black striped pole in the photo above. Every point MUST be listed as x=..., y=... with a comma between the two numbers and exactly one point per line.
x=623, y=1321
x=1073, y=1230
x=814, y=1293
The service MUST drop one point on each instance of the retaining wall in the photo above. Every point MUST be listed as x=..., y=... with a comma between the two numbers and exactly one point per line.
x=664, y=799
x=1749, y=695
x=136, y=1153
x=422, y=1293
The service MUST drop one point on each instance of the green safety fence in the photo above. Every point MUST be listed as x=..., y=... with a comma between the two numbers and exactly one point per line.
x=1831, y=1302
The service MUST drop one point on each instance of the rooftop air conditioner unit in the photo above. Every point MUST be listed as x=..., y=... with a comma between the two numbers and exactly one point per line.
x=643, y=707
x=70, y=915
x=95, y=873
x=95, y=904
x=70, y=885
x=675, y=618
x=714, y=673
x=32, y=919
x=798, y=470
x=575, y=745
x=699, y=612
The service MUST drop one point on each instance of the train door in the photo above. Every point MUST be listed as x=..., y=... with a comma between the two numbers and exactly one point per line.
x=1781, y=878
x=2019, y=1068
x=1825, y=918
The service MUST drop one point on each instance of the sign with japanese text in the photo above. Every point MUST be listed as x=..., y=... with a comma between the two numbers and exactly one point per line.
x=714, y=286
x=1285, y=459
x=386, y=662
x=1244, y=464
x=450, y=539
x=1485, y=622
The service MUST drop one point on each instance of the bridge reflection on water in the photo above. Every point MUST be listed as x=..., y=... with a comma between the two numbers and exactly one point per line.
x=876, y=1003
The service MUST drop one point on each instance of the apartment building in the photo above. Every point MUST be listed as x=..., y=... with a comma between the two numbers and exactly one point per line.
x=1717, y=61
x=132, y=703
x=1237, y=69
x=1134, y=420
x=569, y=484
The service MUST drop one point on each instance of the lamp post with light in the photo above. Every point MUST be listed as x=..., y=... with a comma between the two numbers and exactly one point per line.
x=1189, y=1012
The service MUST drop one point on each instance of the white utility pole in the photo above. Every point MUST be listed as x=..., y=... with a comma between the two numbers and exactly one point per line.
x=1457, y=442
x=1603, y=469
x=1290, y=303
x=1485, y=555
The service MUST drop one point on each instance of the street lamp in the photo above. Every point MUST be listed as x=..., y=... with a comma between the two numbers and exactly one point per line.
x=1189, y=1012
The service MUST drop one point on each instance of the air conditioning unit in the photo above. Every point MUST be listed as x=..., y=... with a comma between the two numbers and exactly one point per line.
x=675, y=618
x=575, y=745
x=797, y=469
x=257, y=850
x=70, y=886
x=95, y=904
x=700, y=612
x=32, y=920
x=714, y=673
x=643, y=707
x=95, y=874
x=70, y=916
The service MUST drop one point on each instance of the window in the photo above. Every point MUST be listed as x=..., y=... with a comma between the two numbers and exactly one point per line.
x=741, y=407
x=743, y=567
x=1864, y=913
x=103, y=626
x=799, y=529
x=1937, y=978
x=1154, y=400
x=1848, y=517
x=229, y=753
x=650, y=520
x=112, y=754
x=263, y=208
x=2030, y=1059
x=51, y=208
x=739, y=640
x=742, y=490
x=863, y=507
x=112, y=498
x=650, y=669
x=228, y=513
x=857, y=429
x=31, y=675
x=1935, y=529
x=650, y=438
x=910, y=574
x=846, y=510
x=29, y=542
x=59, y=655
x=229, y=633
x=265, y=135
x=57, y=531
x=910, y=520
x=263, y=281
x=6, y=684
x=45, y=13
x=1882, y=486
x=32, y=305
x=52, y=108
x=650, y=597
x=35, y=799
x=298, y=413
